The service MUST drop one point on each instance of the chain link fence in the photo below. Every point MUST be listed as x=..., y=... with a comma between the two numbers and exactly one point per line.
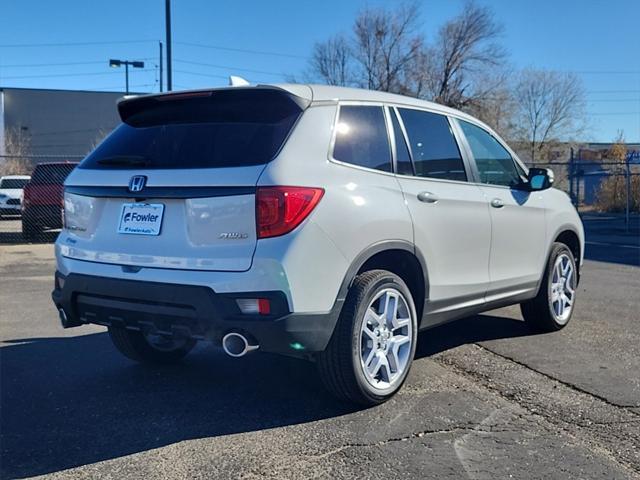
x=31, y=196
x=600, y=186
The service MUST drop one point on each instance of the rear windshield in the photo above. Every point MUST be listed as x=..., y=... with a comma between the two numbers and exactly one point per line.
x=13, y=182
x=51, y=174
x=223, y=128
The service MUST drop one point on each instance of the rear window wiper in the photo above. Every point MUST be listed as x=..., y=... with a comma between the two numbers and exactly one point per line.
x=128, y=160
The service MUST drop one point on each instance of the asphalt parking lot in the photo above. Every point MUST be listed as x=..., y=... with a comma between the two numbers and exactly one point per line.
x=485, y=399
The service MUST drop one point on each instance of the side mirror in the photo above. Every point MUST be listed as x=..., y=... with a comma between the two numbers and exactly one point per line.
x=540, y=179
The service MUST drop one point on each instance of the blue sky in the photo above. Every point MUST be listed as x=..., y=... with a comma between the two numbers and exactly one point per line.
x=598, y=40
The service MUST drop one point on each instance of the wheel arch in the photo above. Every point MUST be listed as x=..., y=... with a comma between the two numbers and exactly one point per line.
x=571, y=239
x=399, y=257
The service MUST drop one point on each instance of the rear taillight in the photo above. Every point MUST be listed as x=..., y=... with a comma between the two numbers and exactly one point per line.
x=281, y=209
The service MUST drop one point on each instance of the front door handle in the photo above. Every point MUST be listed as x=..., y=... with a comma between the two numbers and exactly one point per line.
x=497, y=203
x=427, y=197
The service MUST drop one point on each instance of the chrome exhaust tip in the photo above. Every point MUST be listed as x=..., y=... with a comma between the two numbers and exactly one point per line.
x=237, y=345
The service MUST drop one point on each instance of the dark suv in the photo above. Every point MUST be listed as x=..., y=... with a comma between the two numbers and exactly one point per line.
x=42, y=203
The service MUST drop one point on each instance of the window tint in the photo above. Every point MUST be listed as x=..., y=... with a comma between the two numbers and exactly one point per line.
x=403, y=158
x=15, y=183
x=433, y=147
x=52, y=174
x=361, y=138
x=495, y=165
x=227, y=128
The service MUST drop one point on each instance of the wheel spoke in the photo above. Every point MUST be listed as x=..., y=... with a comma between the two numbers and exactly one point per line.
x=370, y=356
x=390, y=308
x=371, y=317
x=379, y=359
x=400, y=323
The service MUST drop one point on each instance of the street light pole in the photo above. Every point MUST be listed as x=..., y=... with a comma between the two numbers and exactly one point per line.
x=113, y=63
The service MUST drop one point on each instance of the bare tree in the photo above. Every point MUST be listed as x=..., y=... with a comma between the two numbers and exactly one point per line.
x=332, y=61
x=465, y=50
x=550, y=108
x=383, y=53
x=386, y=47
x=17, y=147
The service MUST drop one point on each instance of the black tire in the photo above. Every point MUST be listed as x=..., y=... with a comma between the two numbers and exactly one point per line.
x=133, y=345
x=29, y=230
x=339, y=366
x=538, y=312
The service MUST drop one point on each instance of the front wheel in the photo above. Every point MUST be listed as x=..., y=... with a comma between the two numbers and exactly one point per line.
x=373, y=344
x=553, y=307
x=148, y=348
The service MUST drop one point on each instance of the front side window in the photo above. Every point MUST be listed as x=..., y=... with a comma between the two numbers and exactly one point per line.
x=494, y=163
x=361, y=137
x=434, y=149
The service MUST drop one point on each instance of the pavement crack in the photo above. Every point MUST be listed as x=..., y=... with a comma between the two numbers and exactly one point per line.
x=563, y=382
x=404, y=438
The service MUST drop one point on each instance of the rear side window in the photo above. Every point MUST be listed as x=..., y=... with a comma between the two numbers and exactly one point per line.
x=361, y=138
x=225, y=128
x=434, y=149
x=51, y=174
x=494, y=163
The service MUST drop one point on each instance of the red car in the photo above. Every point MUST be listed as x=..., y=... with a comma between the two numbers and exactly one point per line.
x=43, y=198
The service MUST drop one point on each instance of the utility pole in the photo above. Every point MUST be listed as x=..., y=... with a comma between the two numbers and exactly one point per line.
x=168, y=30
x=160, y=44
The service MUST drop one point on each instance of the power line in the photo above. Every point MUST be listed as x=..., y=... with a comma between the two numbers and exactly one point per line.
x=605, y=72
x=226, y=67
x=613, y=91
x=242, y=50
x=92, y=62
x=211, y=75
x=71, y=44
x=615, y=113
x=15, y=77
x=630, y=100
x=226, y=77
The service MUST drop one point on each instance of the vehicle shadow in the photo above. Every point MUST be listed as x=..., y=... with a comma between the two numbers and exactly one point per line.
x=74, y=401
x=48, y=236
x=474, y=329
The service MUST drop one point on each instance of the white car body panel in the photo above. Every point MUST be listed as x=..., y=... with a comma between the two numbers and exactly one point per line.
x=7, y=194
x=473, y=254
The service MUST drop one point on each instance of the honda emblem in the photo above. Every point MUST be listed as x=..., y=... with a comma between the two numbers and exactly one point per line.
x=137, y=182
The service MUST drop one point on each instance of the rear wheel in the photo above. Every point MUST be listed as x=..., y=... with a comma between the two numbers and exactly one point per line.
x=373, y=344
x=29, y=229
x=552, y=308
x=148, y=348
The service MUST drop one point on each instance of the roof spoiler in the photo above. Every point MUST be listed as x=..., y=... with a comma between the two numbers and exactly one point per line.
x=133, y=105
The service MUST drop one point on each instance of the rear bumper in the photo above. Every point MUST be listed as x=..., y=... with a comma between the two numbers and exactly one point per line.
x=189, y=310
x=10, y=210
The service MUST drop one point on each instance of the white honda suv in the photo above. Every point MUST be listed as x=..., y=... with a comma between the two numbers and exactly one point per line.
x=324, y=223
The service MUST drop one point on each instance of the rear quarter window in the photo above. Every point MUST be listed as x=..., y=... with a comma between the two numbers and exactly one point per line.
x=361, y=137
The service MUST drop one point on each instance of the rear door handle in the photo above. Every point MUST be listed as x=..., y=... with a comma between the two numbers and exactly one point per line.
x=497, y=203
x=427, y=197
